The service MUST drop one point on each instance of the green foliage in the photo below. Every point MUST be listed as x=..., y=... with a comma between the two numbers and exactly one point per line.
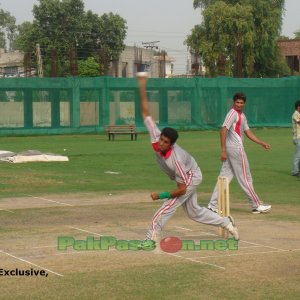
x=268, y=19
x=88, y=67
x=7, y=29
x=239, y=38
x=283, y=37
x=26, y=38
x=218, y=45
x=113, y=31
x=202, y=3
x=66, y=28
x=297, y=34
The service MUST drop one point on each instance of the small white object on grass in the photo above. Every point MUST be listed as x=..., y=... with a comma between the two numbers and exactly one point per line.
x=112, y=172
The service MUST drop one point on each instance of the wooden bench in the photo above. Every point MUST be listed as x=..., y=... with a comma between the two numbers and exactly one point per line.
x=113, y=130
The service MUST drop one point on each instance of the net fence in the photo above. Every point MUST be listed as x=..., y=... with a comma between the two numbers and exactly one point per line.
x=81, y=105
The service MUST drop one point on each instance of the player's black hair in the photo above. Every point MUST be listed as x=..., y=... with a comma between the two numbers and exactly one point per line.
x=297, y=104
x=239, y=96
x=170, y=133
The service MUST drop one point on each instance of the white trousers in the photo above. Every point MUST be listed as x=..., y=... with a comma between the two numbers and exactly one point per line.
x=296, y=157
x=237, y=165
x=192, y=209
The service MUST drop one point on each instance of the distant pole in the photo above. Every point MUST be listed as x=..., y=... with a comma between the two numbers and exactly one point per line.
x=138, y=58
x=39, y=61
x=164, y=63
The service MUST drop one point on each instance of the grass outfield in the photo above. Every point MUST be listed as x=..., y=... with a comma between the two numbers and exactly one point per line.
x=92, y=158
x=104, y=191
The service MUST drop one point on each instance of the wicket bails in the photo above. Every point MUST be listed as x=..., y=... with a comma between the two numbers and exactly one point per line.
x=223, y=201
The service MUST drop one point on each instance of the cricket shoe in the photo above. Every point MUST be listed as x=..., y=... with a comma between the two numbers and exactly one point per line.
x=232, y=228
x=213, y=209
x=261, y=209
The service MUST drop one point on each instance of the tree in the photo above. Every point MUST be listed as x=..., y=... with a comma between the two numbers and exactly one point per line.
x=26, y=38
x=267, y=16
x=221, y=50
x=62, y=27
x=239, y=37
x=105, y=38
x=297, y=34
x=7, y=29
x=88, y=67
x=283, y=37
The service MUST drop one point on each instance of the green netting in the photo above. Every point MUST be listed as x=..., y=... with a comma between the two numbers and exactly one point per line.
x=79, y=105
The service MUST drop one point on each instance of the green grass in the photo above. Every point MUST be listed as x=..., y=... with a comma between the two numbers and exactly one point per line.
x=92, y=155
x=135, y=275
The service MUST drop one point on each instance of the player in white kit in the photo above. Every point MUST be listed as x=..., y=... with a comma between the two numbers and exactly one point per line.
x=296, y=139
x=181, y=167
x=235, y=162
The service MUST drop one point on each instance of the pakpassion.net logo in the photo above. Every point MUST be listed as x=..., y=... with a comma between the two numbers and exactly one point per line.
x=170, y=244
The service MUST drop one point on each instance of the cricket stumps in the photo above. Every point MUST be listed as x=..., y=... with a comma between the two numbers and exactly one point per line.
x=223, y=202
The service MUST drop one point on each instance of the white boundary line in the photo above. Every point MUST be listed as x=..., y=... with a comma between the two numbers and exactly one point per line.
x=64, y=253
x=183, y=228
x=248, y=247
x=176, y=255
x=10, y=211
x=208, y=233
x=198, y=232
x=79, y=229
x=196, y=261
x=248, y=253
x=44, y=199
x=254, y=245
x=179, y=256
x=40, y=247
x=28, y=262
x=260, y=245
x=251, y=243
x=73, y=252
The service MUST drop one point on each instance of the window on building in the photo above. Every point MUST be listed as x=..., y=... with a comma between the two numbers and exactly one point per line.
x=142, y=67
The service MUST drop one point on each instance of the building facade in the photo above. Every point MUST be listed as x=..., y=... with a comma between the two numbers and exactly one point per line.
x=11, y=63
x=290, y=49
x=131, y=60
x=134, y=59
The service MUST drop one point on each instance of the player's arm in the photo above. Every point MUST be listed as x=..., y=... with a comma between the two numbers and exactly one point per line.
x=151, y=126
x=142, y=82
x=179, y=191
x=250, y=135
x=223, y=133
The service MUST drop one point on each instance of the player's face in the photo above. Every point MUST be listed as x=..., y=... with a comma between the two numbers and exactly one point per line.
x=239, y=104
x=164, y=144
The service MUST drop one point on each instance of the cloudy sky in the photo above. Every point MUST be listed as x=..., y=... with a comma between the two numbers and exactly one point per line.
x=166, y=21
